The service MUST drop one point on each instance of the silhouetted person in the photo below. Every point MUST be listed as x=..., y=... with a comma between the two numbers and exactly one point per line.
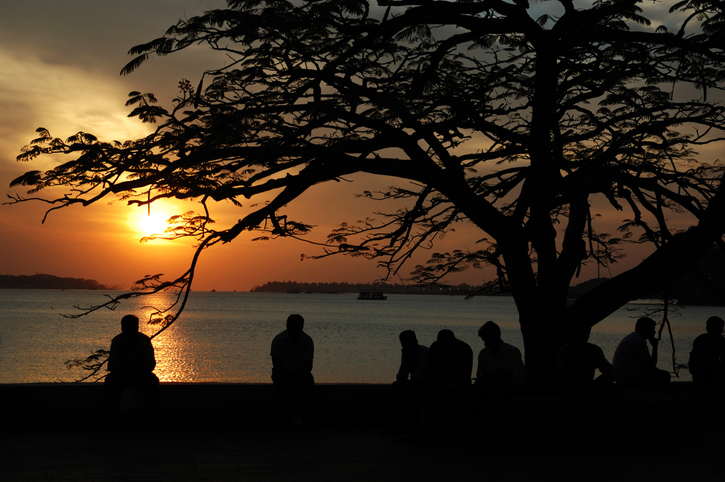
x=634, y=365
x=412, y=358
x=707, y=358
x=501, y=372
x=131, y=384
x=576, y=366
x=292, y=354
x=449, y=362
x=447, y=371
x=407, y=391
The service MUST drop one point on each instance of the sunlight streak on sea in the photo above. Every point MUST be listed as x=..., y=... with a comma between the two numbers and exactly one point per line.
x=225, y=337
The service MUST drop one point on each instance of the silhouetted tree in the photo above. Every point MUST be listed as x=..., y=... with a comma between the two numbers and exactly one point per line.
x=521, y=120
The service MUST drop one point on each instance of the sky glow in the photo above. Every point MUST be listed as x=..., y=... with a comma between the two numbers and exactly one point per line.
x=59, y=69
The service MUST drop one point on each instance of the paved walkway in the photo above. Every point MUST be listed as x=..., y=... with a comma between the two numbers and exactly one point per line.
x=225, y=432
x=334, y=454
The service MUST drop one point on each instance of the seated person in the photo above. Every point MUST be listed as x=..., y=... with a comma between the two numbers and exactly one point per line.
x=412, y=358
x=501, y=372
x=292, y=354
x=407, y=390
x=447, y=381
x=633, y=363
x=707, y=358
x=576, y=365
x=131, y=383
x=449, y=362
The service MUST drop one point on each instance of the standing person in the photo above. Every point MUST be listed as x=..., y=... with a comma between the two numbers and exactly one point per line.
x=501, y=372
x=707, y=358
x=292, y=354
x=131, y=383
x=634, y=365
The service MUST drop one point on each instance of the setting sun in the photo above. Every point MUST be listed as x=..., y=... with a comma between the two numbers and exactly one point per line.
x=153, y=223
x=146, y=223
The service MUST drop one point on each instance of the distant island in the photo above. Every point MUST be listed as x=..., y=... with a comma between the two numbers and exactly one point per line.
x=388, y=288
x=48, y=282
x=706, y=288
x=395, y=288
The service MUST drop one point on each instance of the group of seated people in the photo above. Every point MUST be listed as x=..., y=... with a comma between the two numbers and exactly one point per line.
x=447, y=365
x=442, y=373
x=501, y=373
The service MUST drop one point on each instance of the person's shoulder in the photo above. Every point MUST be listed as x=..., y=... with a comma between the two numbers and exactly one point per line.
x=708, y=340
x=280, y=336
x=633, y=337
x=510, y=347
x=595, y=349
x=567, y=347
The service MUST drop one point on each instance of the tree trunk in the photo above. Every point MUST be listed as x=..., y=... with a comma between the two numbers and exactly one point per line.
x=544, y=334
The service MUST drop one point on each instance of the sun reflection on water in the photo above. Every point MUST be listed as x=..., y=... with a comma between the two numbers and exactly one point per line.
x=197, y=347
x=174, y=359
x=176, y=352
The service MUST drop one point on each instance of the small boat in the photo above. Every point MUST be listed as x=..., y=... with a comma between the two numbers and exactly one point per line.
x=366, y=295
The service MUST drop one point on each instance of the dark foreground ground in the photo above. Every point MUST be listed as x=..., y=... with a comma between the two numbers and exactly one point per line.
x=229, y=432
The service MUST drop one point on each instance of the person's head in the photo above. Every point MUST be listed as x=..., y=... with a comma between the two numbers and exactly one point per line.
x=490, y=333
x=408, y=339
x=295, y=324
x=129, y=324
x=581, y=334
x=445, y=336
x=645, y=327
x=715, y=325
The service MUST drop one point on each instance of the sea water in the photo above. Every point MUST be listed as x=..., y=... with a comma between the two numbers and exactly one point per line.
x=226, y=336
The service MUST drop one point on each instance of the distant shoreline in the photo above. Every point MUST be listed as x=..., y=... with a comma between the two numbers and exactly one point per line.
x=685, y=292
x=294, y=287
x=49, y=282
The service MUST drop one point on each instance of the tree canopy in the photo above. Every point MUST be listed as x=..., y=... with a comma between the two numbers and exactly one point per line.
x=519, y=119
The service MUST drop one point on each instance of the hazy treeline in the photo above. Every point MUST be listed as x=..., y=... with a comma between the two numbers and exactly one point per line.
x=283, y=286
x=49, y=282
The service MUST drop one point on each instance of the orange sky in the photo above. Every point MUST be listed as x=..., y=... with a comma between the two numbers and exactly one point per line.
x=59, y=65
x=59, y=69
